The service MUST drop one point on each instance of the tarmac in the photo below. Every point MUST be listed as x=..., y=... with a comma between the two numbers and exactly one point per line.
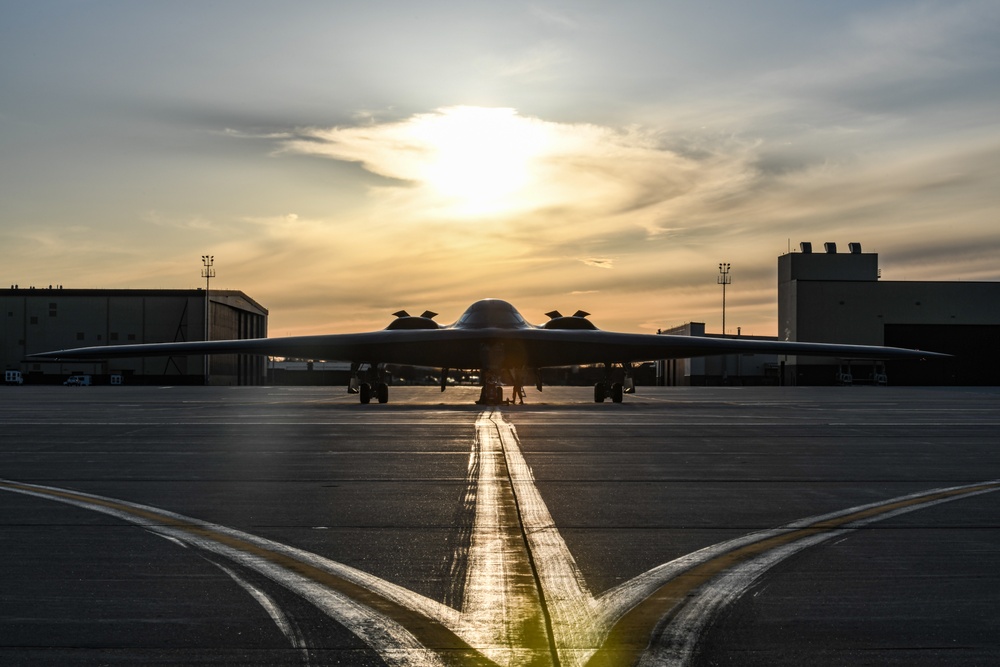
x=687, y=526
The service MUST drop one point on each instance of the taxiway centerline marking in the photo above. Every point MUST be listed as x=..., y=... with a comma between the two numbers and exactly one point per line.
x=576, y=620
x=502, y=613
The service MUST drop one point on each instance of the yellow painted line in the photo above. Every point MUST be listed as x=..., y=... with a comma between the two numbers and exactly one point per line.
x=434, y=643
x=630, y=635
x=576, y=621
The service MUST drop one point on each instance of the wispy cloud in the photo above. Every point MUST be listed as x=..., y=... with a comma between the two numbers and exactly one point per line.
x=477, y=162
x=535, y=64
x=555, y=18
x=599, y=262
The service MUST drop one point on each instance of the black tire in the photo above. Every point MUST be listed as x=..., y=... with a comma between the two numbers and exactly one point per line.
x=365, y=390
x=382, y=390
x=600, y=392
x=617, y=392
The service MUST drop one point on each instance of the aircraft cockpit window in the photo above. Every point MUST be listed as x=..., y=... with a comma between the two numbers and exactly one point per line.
x=491, y=314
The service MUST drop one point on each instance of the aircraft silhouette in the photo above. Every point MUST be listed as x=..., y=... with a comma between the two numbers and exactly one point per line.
x=492, y=337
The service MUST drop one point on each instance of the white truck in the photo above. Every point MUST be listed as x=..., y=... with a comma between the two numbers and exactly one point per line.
x=13, y=377
x=78, y=381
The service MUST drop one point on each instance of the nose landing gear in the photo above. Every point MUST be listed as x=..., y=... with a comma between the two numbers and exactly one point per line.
x=491, y=394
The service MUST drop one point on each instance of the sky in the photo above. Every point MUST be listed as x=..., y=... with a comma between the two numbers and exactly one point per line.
x=343, y=160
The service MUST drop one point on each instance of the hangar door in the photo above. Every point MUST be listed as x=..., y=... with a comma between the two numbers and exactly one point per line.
x=976, y=348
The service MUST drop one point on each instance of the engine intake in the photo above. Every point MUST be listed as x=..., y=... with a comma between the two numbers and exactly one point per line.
x=406, y=321
x=577, y=320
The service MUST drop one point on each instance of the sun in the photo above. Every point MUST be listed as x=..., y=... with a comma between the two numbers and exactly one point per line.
x=461, y=161
x=481, y=161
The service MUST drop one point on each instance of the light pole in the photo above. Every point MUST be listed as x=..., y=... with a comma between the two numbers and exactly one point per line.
x=207, y=273
x=724, y=279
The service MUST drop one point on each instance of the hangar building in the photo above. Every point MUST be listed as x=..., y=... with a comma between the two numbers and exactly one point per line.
x=839, y=297
x=39, y=320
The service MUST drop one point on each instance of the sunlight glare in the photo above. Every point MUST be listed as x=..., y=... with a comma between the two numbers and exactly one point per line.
x=480, y=159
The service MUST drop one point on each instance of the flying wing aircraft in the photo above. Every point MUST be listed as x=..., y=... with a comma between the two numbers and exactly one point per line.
x=492, y=337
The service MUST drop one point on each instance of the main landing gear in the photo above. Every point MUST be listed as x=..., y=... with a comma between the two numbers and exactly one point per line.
x=369, y=383
x=616, y=391
x=380, y=391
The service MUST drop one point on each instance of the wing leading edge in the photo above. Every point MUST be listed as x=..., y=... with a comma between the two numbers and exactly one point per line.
x=463, y=348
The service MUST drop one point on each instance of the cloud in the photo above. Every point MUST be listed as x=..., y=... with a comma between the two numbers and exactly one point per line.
x=552, y=17
x=474, y=162
x=895, y=62
x=535, y=64
x=599, y=262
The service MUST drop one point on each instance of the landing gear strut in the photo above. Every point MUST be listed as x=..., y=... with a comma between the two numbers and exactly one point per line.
x=369, y=383
x=491, y=394
x=614, y=390
x=492, y=391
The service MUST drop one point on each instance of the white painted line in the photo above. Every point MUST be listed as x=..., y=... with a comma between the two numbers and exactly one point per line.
x=675, y=643
x=286, y=627
x=394, y=643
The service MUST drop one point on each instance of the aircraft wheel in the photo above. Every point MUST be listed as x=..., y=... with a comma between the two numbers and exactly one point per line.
x=600, y=392
x=617, y=391
x=365, y=390
x=383, y=392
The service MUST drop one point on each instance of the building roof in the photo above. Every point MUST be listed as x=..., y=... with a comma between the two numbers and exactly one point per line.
x=233, y=297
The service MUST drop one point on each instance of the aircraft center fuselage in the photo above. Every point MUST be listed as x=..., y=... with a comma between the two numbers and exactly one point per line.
x=488, y=339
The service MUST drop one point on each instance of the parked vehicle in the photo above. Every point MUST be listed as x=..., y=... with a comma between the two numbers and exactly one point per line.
x=13, y=377
x=78, y=381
